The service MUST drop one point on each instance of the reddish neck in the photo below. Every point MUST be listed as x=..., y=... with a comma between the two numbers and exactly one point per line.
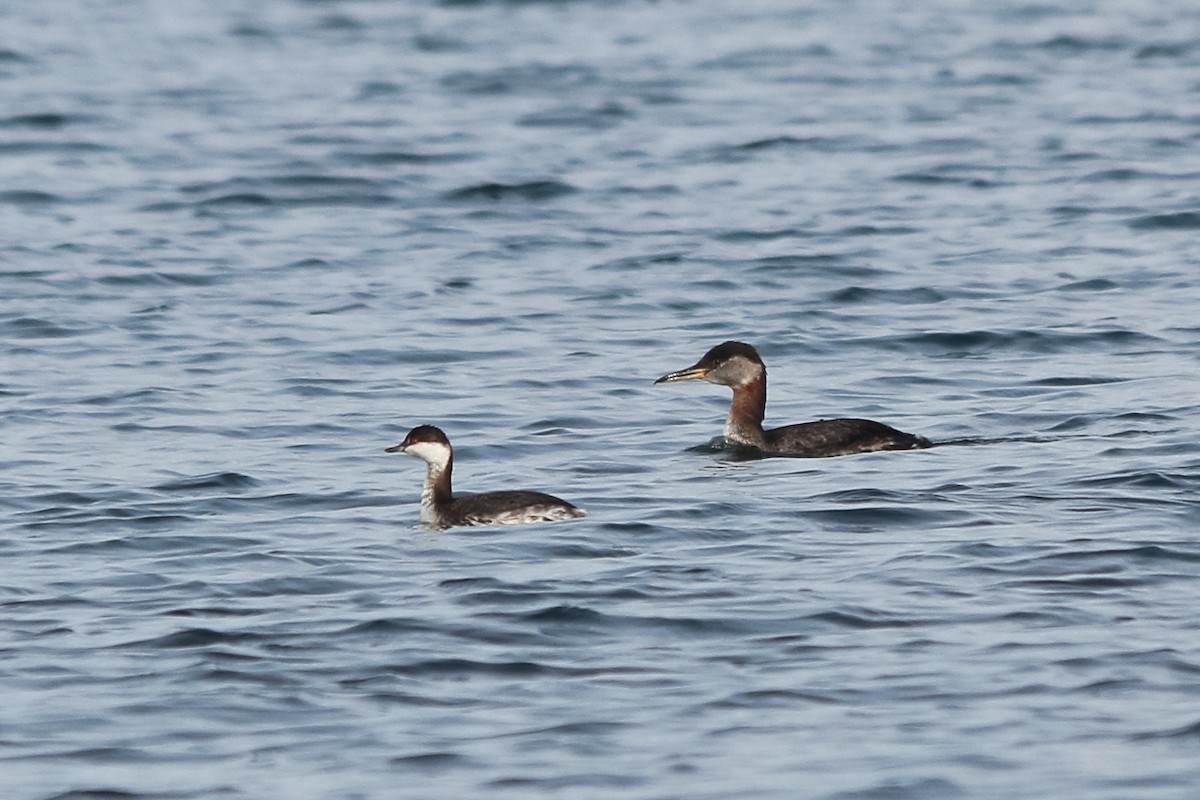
x=746, y=414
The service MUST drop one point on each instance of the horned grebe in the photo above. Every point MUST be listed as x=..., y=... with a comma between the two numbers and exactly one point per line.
x=441, y=509
x=738, y=366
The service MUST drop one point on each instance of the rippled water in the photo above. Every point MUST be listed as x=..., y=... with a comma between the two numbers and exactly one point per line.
x=247, y=246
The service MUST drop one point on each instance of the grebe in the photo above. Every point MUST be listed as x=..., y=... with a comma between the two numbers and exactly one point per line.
x=738, y=366
x=441, y=509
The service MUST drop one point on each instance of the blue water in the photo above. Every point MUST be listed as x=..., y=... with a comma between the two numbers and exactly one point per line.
x=246, y=246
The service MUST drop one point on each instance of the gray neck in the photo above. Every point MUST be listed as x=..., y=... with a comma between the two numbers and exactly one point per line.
x=435, y=494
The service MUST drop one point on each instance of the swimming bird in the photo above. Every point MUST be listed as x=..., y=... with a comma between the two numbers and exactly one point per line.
x=441, y=509
x=738, y=366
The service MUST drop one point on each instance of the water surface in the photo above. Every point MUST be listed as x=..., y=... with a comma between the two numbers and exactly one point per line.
x=246, y=247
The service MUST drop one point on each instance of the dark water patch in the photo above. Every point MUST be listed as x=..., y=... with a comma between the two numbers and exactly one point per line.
x=820, y=144
x=342, y=309
x=1125, y=174
x=1151, y=479
x=157, y=278
x=529, y=77
x=164, y=207
x=1043, y=618
x=381, y=90
x=598, y=118
x=863, y=496
x=401, y=698
x=109, y=517
x=1128, y=119
x=26, y=274
x=137, y=427
x=878, y=230
x=225, y=678
x=285, y=587
x=766, y=56
x=857, y=295
x=441, y=42
x=140, y=542
x=479, y=582
x=1100, y=570
x=1070, y=380
x=191, y=638
x=387, y=158
x=568, y=615
x=988, y=79
x=774, y=698
x=586, y=728
x=206, y=612
x=558, y=425
x=291, y=191
x=569, y=618
x=786, y=145
x=640, y=262
x=864, y=519
x=157, y=543
x=462, y=667
x=1180, y=221
x=1119, y=557
x=1190, y=732
x=1146, y=416
x=493, y=598
x=387, y=628
x=1067, y=43
x=1094, y=285
x=1164, y=50
x=1085, y=585
x=247, y=31
x=957, y=144
x=294, y=502
x=375, y=356
x=980, y=342
x=1072, y=213
x=587, y=551
x=435, y=761
x=1076, y=423
x=19, y=197
x=860, y=618
x=559, y=784
x=317, y=264
x=68, y=500
x=740, y=236
x=51, y=148
x=212, y=480
x=532, y=191
x=818, y=264
x=731, y=450
x=947, y=177
x=33, y=328
x=232, y=199
x=921, y=789
x=340, y=23
x=158, y=309
x=320, y=387
x=105, y=794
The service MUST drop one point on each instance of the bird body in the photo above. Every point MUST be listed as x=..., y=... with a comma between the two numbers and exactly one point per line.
x=738, y=366
x=441, y=509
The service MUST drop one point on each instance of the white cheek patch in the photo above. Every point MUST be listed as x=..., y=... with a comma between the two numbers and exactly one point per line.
x=430, y=452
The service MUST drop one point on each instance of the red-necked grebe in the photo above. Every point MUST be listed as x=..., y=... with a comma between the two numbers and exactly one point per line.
x=738, y=366
x=441, y=509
